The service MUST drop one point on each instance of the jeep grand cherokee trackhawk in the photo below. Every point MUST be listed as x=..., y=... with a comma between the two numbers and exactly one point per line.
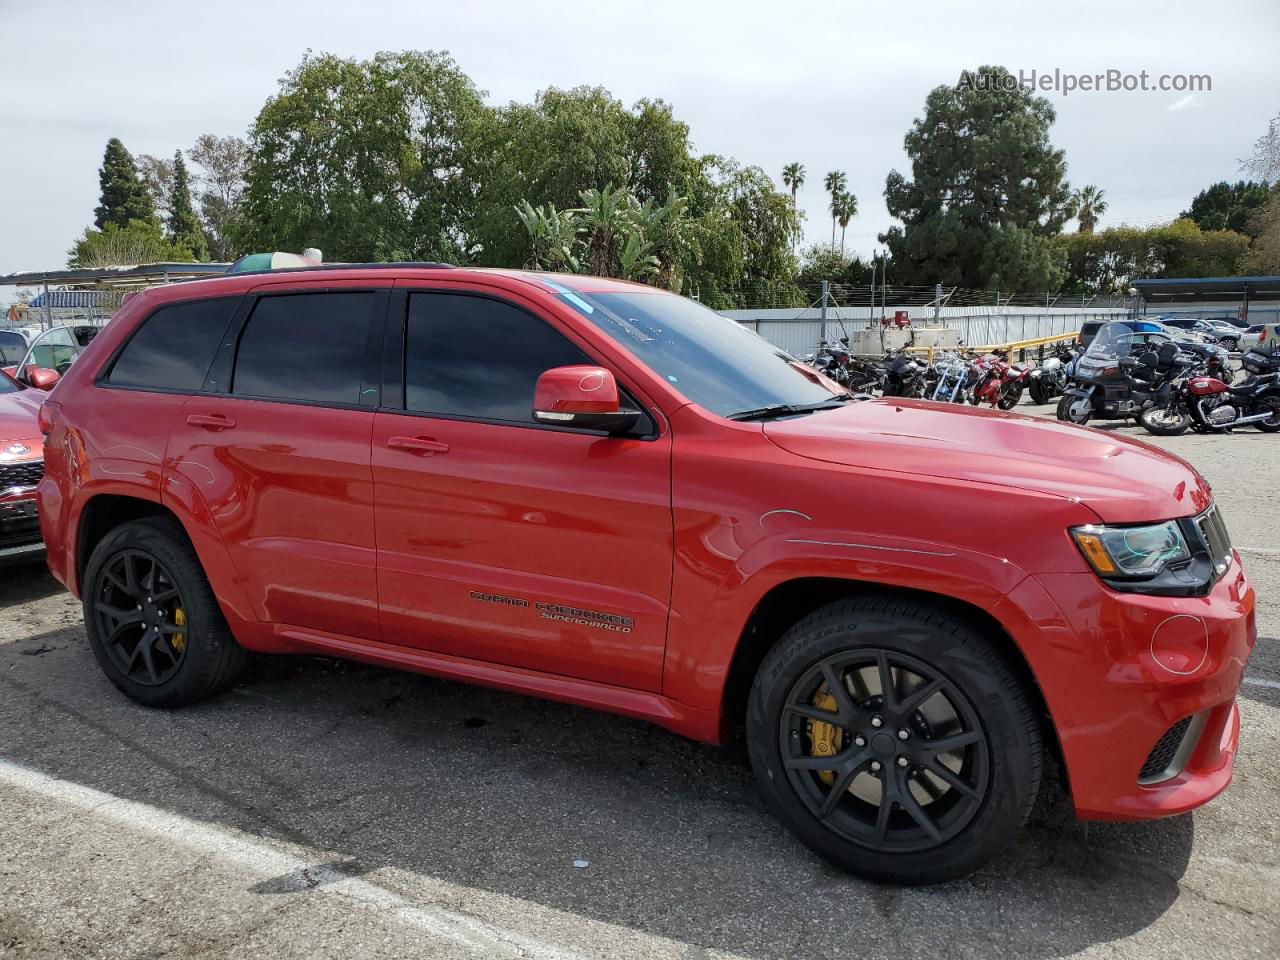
x=608, y=495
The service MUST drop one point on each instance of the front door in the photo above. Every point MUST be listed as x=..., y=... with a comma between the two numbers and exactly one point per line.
x=500, y=539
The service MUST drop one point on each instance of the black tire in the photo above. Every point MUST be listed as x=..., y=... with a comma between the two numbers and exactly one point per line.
x=976, y=811
x=1009, y=398
x=1068, y=410
x=175, y=647
x=1271, y=425
x=1175, y=422
x=1036, y=390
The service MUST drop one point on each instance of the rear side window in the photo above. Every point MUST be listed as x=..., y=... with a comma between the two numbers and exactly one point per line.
x=172, y=349
x=476, y=357
x=12, y=347
x=305, y=346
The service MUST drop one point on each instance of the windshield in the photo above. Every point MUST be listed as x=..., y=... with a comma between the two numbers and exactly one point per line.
x=712, y=360
x=1113, y=341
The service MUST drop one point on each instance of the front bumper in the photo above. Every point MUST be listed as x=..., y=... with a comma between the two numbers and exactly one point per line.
x=1118, y=670
x=19, y=526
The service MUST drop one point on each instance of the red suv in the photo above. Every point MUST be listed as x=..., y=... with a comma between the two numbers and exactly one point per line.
x=609, y=495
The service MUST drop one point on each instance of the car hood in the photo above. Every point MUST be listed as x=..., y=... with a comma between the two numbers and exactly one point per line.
x=18, y=417
x=1121, y=480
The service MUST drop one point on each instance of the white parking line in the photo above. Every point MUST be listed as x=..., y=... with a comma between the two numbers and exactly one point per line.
x=272, y=861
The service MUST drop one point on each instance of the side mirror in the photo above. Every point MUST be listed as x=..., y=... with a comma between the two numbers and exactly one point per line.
x=42, y=378
x=581, y=396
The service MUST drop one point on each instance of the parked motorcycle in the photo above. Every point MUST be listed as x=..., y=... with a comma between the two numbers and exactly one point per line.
x=1050, y=378
x=1108, y=383
x=903, y=376
x=951, y=378
x=999, y=382
x=1211, y=404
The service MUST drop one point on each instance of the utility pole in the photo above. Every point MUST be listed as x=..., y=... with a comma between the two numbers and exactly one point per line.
x=822, y=335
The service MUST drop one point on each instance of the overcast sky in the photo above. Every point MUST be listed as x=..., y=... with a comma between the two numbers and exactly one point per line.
x=834, y=85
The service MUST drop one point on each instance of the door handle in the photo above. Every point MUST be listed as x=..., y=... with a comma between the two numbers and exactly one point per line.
x=215, y=421
x=423, y=445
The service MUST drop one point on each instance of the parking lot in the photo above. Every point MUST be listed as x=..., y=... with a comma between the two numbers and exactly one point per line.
x=325, y=808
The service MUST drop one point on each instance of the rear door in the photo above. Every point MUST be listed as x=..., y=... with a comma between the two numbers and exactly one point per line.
x=500, y=539
x=278, y=446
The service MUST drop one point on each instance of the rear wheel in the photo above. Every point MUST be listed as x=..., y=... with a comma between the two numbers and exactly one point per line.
x=1038, y=392
x=152, y=619
x=1271, y=424
x=1009, y=398
x=1230, y=344
x=1075, y=409
x=1169, y=420
x=894, y=741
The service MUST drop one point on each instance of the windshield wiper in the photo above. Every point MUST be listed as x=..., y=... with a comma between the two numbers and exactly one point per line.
x=787, y=409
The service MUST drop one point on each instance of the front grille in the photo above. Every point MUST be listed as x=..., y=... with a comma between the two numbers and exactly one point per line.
x=19, y=523
x=1216, y=539
x=25, y=474
x=1161, y=758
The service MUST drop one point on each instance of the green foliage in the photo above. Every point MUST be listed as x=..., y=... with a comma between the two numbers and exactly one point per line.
x=1228, y=206
x=184, y=225
x=793, y=179
x=1089, y=204
x=139, y=241
x=124, y=196
x=1263, y=257
x=368, y=160
x=221, y=165
x=822, y=262
x=1106, y=262
x=987, y=189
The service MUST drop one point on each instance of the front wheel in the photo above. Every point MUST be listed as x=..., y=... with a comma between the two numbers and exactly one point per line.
x=1075, y=409
x=1009, y=398
x=152, y=619
x=1168, y=420
x=894, y=740
x=1038, y=391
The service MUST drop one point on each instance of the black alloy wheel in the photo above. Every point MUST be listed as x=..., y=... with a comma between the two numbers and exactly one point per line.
x=141, y=617
x=911, y=759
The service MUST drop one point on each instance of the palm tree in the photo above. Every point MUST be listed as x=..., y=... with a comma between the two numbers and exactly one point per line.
x=835, y=183
x=793, y=177
x=844, y=208
x=1090, y=205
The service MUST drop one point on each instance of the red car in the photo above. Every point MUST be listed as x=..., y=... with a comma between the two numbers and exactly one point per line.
x=21, y=464
x=606, y=494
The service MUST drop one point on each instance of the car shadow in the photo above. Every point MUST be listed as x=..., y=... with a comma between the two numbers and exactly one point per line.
x=26, y=581
x=503, y=793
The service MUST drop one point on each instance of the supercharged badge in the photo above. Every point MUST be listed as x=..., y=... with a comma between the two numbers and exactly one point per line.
x=585, y=618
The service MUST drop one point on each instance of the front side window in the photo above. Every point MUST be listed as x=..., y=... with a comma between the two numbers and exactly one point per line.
x=477, y=357
x=54, y=349
x=8, y=385
x=173, y=347
x=712, y=360
x=304, y=346
x=12, y=347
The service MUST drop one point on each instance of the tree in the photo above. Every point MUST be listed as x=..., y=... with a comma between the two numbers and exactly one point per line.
x=157, y=175
x=1089, y=205
x=1106, y=262
x=1228, y=206
x=1265, y=161
x=184, y=225
x=983, y=172
x=844, y=208
x=221, y=166
x=835, y=184
x=368, y=160
x=124, y=196
x=793, y=179
x=821, y=262
x=139, y=241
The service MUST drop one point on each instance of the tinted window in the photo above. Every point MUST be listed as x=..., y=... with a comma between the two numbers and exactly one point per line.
x=475, y=357
x=305, y=346
x=7, y=385
x=174, y=346
x=12, y=347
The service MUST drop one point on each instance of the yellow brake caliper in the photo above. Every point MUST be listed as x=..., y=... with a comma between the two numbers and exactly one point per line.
x=824, y=738
x=179, y=640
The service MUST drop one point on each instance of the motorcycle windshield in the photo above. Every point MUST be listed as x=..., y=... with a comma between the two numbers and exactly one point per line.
x=1114, y=341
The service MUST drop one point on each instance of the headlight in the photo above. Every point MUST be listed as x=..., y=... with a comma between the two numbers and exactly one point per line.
x=1131, y=551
